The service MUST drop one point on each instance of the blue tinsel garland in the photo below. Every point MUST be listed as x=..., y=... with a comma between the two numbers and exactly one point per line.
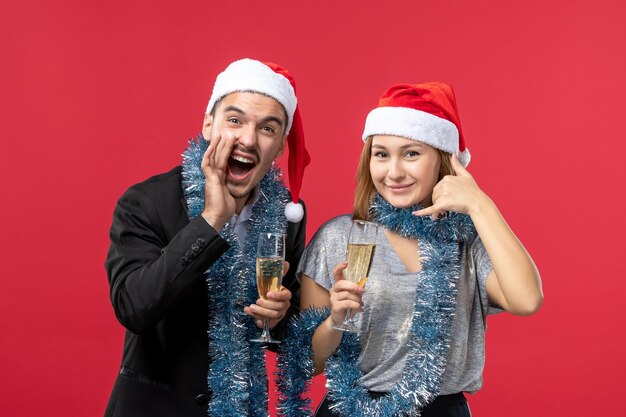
x=295, y=363
x=428, y=346
x=237, y=374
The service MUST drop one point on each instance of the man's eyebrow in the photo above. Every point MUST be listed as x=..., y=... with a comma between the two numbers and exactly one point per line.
x=235, y=109
x=273, y=119
x=267, y=119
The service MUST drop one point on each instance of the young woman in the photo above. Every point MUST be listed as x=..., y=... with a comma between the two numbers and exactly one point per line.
x=444, y=259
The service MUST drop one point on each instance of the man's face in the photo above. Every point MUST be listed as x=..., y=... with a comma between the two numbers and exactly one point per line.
x=258, y=122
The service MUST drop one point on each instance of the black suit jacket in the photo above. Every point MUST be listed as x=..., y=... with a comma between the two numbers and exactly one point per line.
x=155, y=267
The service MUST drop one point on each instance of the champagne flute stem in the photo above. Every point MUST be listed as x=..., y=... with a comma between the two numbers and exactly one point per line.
x=266, y=329
x=347, y=321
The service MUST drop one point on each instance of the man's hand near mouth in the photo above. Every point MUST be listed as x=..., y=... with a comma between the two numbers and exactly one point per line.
x=219, y=204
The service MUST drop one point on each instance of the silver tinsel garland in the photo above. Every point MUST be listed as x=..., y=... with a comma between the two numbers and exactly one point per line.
x=435, y=303
x=237, y=375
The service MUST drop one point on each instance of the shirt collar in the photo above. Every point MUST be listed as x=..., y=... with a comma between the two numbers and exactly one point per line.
x=246, y=211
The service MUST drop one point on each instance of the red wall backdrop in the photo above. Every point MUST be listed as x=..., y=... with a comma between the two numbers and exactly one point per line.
x=98, y=95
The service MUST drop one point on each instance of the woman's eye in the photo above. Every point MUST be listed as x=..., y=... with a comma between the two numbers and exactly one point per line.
x=412, y=154
x=380, y=154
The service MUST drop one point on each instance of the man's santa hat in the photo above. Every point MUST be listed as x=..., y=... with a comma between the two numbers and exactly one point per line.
x=249, y=75
x=426, y=113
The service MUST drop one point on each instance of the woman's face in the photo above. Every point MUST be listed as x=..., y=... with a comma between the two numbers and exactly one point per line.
x=404, y=171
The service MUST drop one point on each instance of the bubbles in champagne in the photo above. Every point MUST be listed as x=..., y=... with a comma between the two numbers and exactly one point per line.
x=269, y=274
x=359, y=261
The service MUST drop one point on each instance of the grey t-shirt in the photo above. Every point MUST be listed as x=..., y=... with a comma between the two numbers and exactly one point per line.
x=389, y=302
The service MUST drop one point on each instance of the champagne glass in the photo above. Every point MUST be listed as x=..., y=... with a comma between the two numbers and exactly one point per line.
x=270, y=257
x=361, y=248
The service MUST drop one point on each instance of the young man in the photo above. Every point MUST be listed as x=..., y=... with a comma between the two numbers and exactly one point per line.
x=181, y=264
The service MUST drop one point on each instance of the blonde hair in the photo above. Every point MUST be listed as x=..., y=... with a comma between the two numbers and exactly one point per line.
x=365, y=189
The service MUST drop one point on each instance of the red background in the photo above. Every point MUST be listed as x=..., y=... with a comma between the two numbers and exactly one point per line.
x=98, y=95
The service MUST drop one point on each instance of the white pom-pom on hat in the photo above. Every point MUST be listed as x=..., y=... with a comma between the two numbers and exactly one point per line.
x=294, y=212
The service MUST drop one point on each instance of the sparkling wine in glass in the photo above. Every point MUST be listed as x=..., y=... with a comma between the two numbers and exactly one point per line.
x=361, y=248
x=270, y=259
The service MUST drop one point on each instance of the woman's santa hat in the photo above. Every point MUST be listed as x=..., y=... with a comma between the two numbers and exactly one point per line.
x=426, y=113
x=274, y=81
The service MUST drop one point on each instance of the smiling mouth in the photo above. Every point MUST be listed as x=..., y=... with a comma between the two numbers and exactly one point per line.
x=399, y=187
x=239, y=167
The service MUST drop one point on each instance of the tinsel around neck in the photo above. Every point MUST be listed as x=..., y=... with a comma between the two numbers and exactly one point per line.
x=193, y=177
x=428, y=344
x=237, y=369
x=453, y=227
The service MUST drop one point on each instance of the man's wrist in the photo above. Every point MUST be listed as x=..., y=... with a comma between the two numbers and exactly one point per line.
x=213, y=222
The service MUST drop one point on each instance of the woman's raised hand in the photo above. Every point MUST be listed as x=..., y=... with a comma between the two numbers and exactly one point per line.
x=458, y=193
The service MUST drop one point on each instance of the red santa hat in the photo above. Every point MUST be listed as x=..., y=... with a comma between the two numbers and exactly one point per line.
x=425, y=112
x=274, y=81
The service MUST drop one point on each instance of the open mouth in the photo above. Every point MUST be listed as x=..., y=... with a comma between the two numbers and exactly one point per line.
x=239, y=167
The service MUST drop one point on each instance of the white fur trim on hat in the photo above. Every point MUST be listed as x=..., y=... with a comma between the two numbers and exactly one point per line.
x=416, y=125
x=254, y=76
